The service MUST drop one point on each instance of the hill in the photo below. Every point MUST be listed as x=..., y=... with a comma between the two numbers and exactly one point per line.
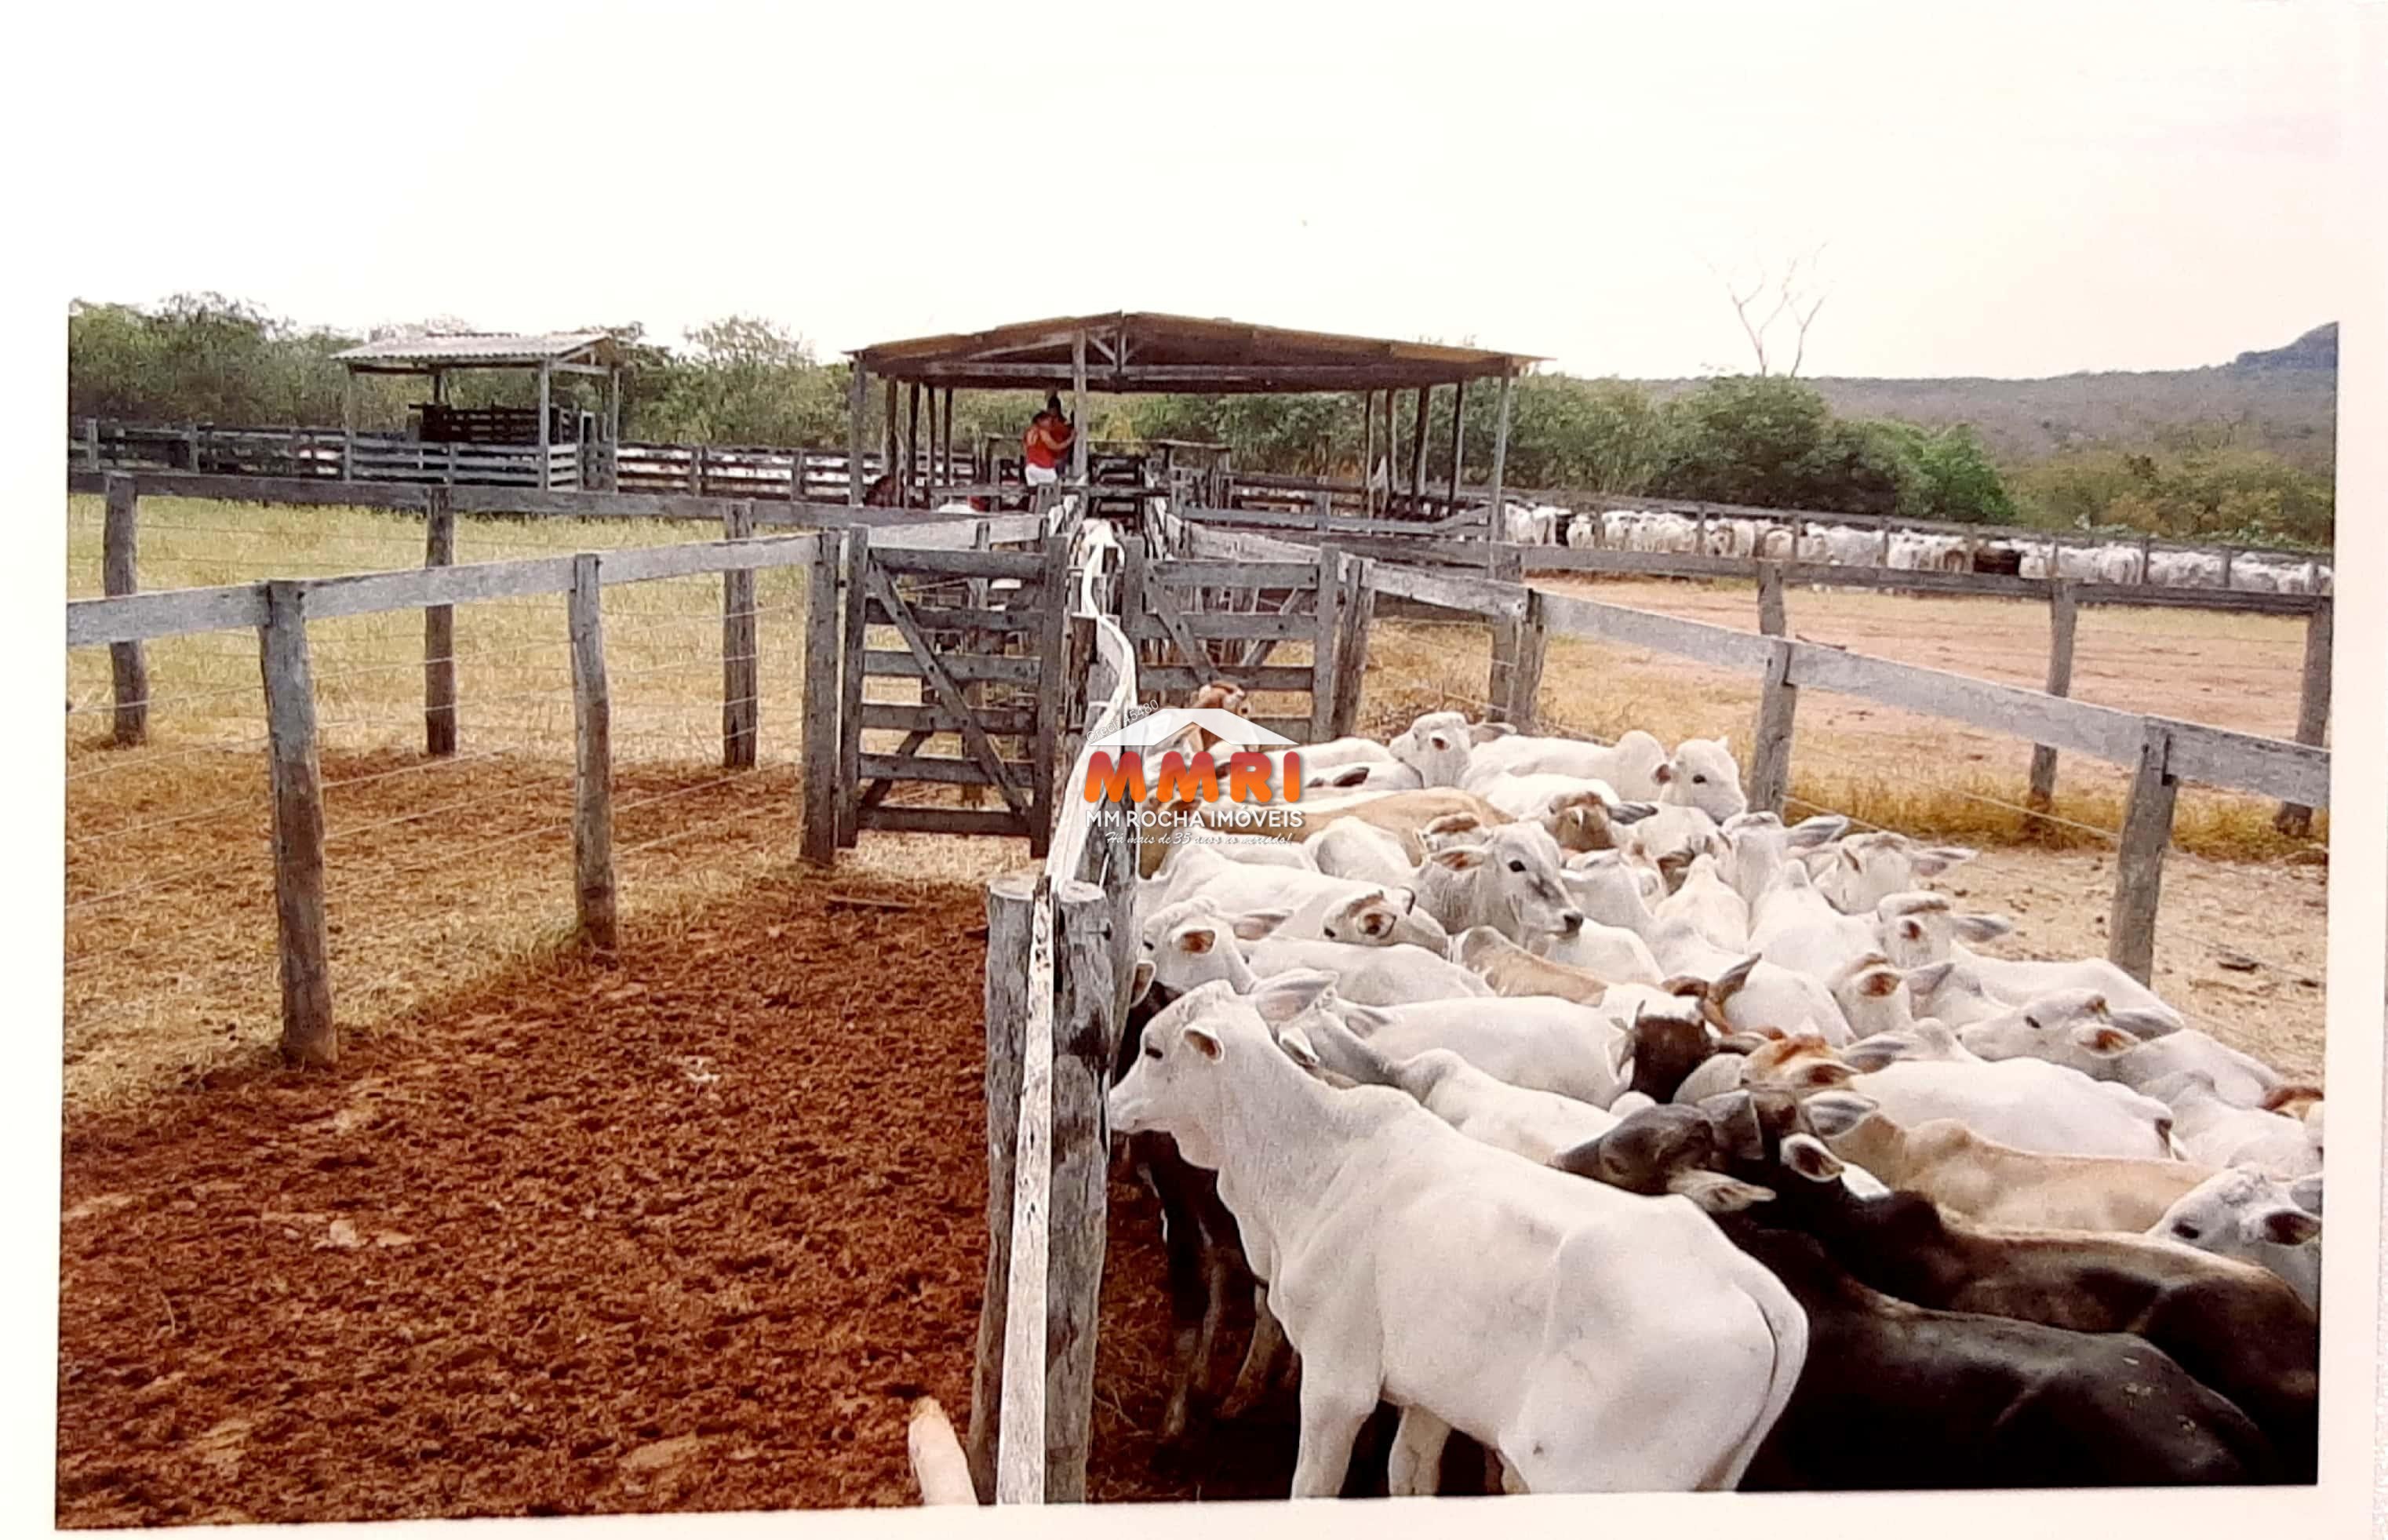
x=2284, y=399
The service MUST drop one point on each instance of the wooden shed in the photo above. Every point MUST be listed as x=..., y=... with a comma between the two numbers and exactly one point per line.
x=1139, y=352
x=530, y=445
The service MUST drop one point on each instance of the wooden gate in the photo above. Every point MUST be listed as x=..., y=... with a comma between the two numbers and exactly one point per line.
x=969, y=655
x=1200, y=620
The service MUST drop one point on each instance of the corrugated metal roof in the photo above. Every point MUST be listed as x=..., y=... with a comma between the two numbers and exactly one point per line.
x=1134, y=350
x=486, y=348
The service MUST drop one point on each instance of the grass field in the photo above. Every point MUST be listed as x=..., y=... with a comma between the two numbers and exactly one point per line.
x=442, y=870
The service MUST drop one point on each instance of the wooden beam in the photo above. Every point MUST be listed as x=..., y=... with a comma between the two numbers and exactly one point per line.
x=2295, y=819
x=2064, y=614
x=949, y=694
x=1524, y=644
x=853, y=660
x=1079, y=431
x=309, y=1035
x=1351, y=653
x=740, y=644
x=1328, y=629
x=1417, y=448
x=911, y=475
x=592, y=768
x=1368, y=453
x=119, y=575
x=1085, y=1025
x=1011, y=902
x=1020, y=1447
x=824, y=690
x=1458, y=438
x=1501, y=450
x=544, y=385
x=439, y=634
x=857, y=386
x=2139, y=863
x=1770, y=618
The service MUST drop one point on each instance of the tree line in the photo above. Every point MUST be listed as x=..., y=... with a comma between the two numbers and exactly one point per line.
x=1769, y=440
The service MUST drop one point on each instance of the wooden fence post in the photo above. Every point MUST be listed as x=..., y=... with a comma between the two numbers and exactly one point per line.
x=1772, y=621
x=741, y=670
x=1504, y=564
x=1352, y=652
x=439, y=631
x=1770, y=754
x=854, y=607
x=119, y=574
x=2313, y=706
x=2139, y=864
x=1526, y=642
x=2063, y=612
x=592, y=771
x=1327, y=644
x=1011, y=905
x=309, y=1037
x=91, y=443
x=1052, y=690
x=1086, y=1027
x=824, y=691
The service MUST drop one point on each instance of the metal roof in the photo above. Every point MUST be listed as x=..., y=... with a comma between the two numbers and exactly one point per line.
x=486, y=350
x=1130, y=352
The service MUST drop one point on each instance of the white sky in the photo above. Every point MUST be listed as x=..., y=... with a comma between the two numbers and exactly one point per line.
x=2004, y=189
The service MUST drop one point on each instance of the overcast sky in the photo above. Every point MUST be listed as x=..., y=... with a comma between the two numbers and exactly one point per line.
x=1999, y=189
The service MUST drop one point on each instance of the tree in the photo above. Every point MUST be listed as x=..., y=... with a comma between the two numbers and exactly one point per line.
x=1762, y=296
x=1773, y=442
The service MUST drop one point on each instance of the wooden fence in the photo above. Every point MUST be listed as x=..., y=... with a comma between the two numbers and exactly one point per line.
x=2161, y=752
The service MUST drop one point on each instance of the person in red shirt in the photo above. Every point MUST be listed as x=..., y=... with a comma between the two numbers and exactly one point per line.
x=1047, y=442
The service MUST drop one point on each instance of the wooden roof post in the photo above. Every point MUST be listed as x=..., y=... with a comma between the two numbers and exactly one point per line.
x=1417, y=447
x=1367, y=454
x=1458, y=437
x=543, y=374
x=1500, y=456
x=613, y=432
x=858, y=394
x=1078, y=407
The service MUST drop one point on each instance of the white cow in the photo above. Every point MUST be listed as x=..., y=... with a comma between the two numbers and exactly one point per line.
x=1555, y=1321
x=1961, y=985
x=1535, y=1042
x=1630, y=767
x=2210, y=1129
x=1509, y=881
x=1702, y=774
x=1193, y=943
x=1868, y=868
x=2077, y=1027
x=2252, y=1217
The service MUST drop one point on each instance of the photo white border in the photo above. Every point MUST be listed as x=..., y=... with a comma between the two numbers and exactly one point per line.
x=54, y=89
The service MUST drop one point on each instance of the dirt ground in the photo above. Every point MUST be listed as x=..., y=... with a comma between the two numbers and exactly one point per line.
x=685, y=1233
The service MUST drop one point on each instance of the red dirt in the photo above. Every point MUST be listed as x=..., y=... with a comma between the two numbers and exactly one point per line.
x=523, y=1257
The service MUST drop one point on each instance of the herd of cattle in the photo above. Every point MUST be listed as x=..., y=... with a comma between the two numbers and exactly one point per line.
x=1904, y=549
x=1544, y=1094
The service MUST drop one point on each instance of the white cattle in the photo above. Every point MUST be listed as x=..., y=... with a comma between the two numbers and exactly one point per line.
x=1630, y=766
x=2252, y=1218
x=1193, y=943
x=2077, y=1027
x=1759, y=846
x=1238, y=886
x=1702, y=774
x=1961, y=985
x=1510, y=881
x=2213, y=1130
x=1358, y=851
x=1553, y=1320
x=1746, y=994
x=1384, y=917
x=1531, y=1041
x=1868, y=868
x=1708, y=903
x=1248, y=849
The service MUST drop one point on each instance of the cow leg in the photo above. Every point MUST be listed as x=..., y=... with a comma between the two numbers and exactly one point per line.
x=1511, y=1481
x=1414, y=1469
x=1253, y=1378
x=1332, y=1411
x=1215, y=1313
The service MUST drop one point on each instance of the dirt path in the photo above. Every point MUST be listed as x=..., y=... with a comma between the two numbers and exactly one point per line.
x=683, y=1234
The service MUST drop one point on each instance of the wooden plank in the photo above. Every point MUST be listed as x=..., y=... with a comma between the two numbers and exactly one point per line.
x=1473, y=595
x=175, y=612
x=949, y=694
x=1083, y=1027
x=945, y=820
x=2295, y=819
x=1717, y=645
x=740, y=646
x=439, y=634
x=1161, y=607
x=824, y=691
x=2063, y=616
x=309, y=1035
x=2240, y=761
x=2094, y=730
x=1237, y=574
x=1770, y=756
x=1351, y=653
x=1524, y=644
x=592, y=767
x=1274, y=677
x=1020, y=1448
x=1010, y=899
x=951, y=618
x=854, y=585
x=857, y=396
x=1500, y=447
x=2139, y=862
x=119, y=575
x=913, y=766
x=1267, y=625
x=968, y=668
x=1024, y=566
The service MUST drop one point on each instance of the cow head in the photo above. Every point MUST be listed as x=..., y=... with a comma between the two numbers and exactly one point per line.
x=1177, y=1082
x=1384, y=917
x=1436, y=747
x=1702, y=774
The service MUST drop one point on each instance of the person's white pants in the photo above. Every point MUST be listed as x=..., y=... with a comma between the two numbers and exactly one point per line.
x=1042, y=476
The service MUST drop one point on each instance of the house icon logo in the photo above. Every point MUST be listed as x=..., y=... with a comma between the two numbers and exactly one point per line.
x=1185, y=747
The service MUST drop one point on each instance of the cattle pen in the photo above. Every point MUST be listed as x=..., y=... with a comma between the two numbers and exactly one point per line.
x=997, y=648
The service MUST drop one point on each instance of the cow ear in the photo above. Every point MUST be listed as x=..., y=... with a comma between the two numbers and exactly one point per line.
x=1484, y=732
x=1983, y=927
x=1141, y=983
x=1255, y=925
x=1357, y=775
x=1806, y=1154
x=1716, y=1193
x=1458, y=857
x=1620, y=1053
x=1735, y=1117
x=1664, y=774
x=1879, y=984
x=1296, y=1044
x=2104, y=1041
x=1869, y=1054
x=1403, y=898
x=1833, y=1114
x=1924, y=980
x=1204, y=1043
x=1940, y=858
x=1822, y=829
x=2280, y=1227
x=1195, y=941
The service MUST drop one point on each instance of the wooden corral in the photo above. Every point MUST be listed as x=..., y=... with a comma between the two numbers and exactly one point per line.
x=490, y=444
